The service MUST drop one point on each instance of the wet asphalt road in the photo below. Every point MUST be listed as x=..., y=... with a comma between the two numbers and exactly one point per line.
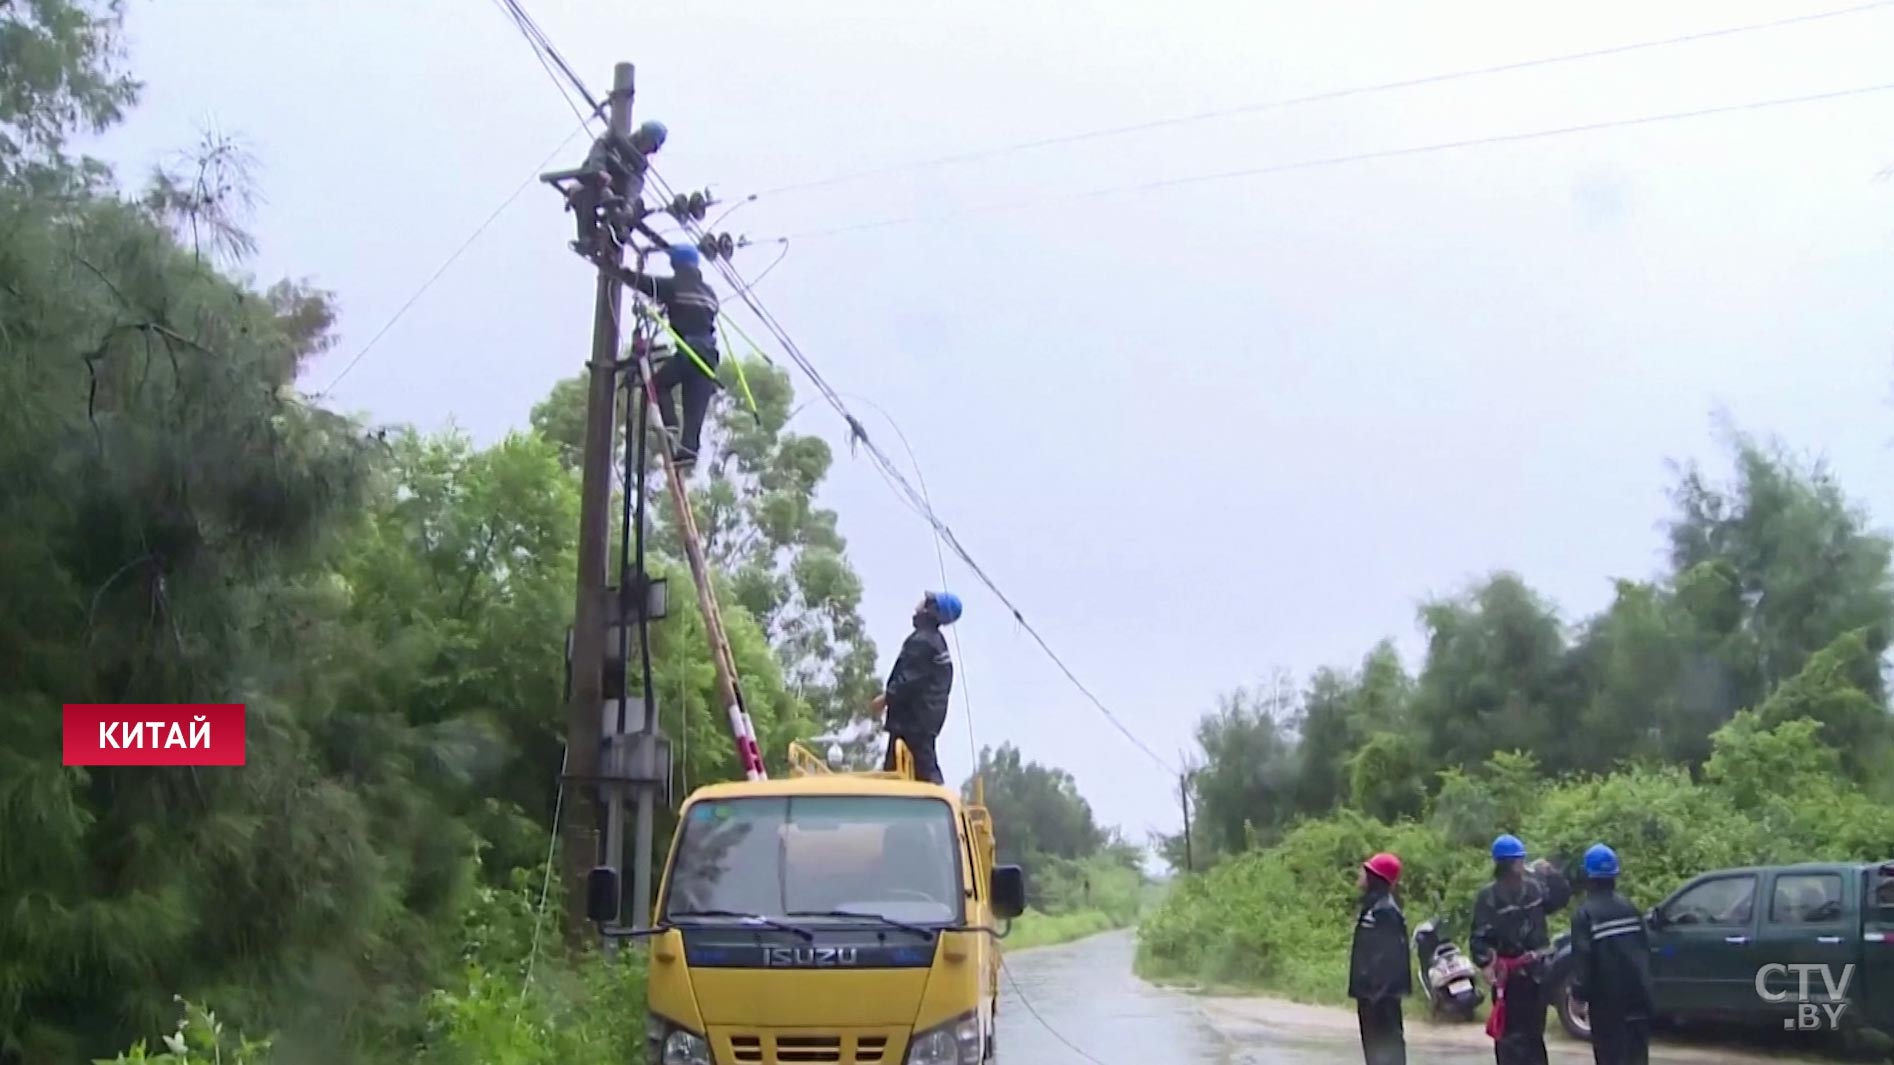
x=1084, y=995
x=1085, y=992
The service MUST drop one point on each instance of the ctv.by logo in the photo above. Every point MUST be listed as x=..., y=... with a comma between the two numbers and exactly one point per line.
x=1809, y=1014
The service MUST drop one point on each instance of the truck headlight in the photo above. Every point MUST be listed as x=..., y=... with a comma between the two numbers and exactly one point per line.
x=671, y=1045
x=685, y=1048
x=955, y=1043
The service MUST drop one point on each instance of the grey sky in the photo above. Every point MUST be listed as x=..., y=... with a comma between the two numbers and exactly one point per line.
x=1196, y=433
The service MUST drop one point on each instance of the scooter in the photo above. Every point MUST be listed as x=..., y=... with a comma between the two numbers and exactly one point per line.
x=1450, y=977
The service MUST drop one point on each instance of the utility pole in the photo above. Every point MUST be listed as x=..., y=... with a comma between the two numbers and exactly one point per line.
x=579, y=834
x=1183, y=793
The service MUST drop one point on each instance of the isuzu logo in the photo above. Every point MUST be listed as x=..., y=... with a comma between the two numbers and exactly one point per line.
x=808, y=957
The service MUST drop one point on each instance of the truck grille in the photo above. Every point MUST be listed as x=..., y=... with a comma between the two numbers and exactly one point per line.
x=801, y=1049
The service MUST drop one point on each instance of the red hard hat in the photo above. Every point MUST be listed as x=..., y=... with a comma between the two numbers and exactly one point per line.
x=1384, y=865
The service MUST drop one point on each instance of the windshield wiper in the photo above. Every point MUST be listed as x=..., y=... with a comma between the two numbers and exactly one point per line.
x=747, y=918
x=919, y=930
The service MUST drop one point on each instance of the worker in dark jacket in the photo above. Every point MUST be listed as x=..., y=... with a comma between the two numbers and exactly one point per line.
x=914, y=704
x=612, y=188
x=1511, y=942
x=690, y=305
x=1611, y=965
x=1378, y=973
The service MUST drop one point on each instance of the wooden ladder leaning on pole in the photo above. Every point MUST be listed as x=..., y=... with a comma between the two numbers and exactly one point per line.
x=741, y=727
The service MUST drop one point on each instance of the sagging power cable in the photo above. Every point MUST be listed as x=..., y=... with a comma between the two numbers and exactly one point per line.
x=1020, y=994
x=858, y=434
x=1322, y=97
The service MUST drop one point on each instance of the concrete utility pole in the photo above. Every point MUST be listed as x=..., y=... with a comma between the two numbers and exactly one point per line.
x=579, y=834
x=1183, y=793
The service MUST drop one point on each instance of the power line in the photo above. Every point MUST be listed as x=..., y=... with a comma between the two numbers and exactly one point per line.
x=916, y=499
x=544, y=48
x=539, y=41
x=1338, y=160
x=1020, y=993
x=449, y=261
x=1320, y=97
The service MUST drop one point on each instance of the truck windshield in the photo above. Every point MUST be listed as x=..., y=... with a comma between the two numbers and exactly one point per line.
x=892, y=856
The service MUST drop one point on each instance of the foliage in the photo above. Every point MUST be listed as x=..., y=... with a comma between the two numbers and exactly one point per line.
x=199, y=1037
x=781, y=557
x=1778, y=600
x=1281, y=916
x=1730, y=711
x=180, y=525
x=58, y=76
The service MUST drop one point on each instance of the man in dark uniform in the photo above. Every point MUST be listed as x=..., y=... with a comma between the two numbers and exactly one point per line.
x=611, y=189
x=914, y=704
x=1510, y=941
x=690, y=305
x=1611, y=965
x=1378, y=973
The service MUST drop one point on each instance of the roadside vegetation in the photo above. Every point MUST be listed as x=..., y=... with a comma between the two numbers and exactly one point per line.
x=1728, y=711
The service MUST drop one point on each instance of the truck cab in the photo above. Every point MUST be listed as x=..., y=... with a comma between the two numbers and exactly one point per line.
x=828, y=918
x=1722, y=944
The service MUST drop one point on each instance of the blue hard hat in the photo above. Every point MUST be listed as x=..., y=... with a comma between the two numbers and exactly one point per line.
x=946, y=606
x=684, y=255
x=1601, y=862
x=1507, y=847
x=655, y=130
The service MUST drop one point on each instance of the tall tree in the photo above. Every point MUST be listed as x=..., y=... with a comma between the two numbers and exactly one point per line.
x=780, y=555
x=1037, y=810
x=1495, y=677
x=59, y=75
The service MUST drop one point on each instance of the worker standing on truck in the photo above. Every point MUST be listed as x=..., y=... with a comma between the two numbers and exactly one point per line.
x=1511, y=942
x=1611, y=965
x=690, y=305
x=914, y=704
x=1378, y=973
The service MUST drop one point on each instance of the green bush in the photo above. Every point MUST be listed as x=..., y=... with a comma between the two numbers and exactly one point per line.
x=1281, y=918
x=1035, y=929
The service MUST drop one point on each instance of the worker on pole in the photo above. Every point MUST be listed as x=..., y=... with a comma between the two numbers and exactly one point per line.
x=1611, y=965
x=1510, y=941
x=1378, y=973
x=690, y=305
x=612, y=188
x=914, y=703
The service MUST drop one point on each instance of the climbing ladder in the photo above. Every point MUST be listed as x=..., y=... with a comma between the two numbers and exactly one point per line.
x=742, y=729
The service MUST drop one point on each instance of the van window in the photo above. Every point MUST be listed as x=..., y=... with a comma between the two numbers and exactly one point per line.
x=782, y=856
x=1883, y=881
x=1806, y=898
x=1725, y=901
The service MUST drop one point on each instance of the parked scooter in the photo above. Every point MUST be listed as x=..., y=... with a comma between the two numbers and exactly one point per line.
x=1450, y=977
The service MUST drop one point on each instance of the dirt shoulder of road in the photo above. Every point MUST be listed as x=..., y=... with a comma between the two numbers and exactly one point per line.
x=1251, y=1019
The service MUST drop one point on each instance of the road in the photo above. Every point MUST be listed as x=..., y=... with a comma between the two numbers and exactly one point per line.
x=1089, y=1007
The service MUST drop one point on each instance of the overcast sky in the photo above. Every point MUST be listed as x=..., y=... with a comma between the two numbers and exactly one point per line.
x=1198, y=432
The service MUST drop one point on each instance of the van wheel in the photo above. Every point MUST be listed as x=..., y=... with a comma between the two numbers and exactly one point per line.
x=992, y=1029
x=1574, y=1016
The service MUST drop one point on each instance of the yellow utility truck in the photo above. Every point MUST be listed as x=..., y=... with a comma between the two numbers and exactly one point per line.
x=827, y=917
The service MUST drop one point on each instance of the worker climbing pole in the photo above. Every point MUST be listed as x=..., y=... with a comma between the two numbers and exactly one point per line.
x=606, y=192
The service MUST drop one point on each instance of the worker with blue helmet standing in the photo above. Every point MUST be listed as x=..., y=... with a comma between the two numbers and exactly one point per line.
x=690, y=306
x=914, y=703
x=1510, y=940
x=1611, y=965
